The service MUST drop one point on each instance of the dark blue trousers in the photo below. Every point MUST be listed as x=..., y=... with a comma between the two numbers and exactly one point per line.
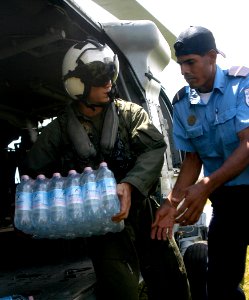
x=227, y=243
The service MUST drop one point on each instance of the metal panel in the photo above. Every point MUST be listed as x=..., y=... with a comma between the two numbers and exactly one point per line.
x=132, y=10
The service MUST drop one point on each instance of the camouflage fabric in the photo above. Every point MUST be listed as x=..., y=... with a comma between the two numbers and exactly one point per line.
x=137, y=156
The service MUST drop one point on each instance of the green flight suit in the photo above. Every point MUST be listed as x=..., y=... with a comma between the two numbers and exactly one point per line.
x=136, y=156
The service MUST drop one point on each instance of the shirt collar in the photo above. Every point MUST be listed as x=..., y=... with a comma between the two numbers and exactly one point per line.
x=220, y=79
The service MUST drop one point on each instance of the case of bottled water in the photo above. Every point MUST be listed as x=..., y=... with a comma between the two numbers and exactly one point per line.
x=79, y=205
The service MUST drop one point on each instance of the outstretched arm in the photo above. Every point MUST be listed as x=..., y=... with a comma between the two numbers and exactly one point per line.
x=196, y=195
x=165, y=215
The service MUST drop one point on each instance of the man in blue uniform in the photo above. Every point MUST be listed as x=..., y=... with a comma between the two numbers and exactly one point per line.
x=211, y=124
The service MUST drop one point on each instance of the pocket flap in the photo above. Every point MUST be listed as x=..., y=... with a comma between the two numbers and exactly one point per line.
x=226, y=115
x=195, y=131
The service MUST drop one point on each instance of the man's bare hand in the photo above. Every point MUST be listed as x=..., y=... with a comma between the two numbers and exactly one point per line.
x=124, y=193
x=162, y=228
x=189, y=211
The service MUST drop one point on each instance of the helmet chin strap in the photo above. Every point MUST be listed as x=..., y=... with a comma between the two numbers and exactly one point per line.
x=112, y=94
x=94, y=105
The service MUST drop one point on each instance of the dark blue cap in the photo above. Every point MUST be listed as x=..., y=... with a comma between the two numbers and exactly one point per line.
x=195, y=40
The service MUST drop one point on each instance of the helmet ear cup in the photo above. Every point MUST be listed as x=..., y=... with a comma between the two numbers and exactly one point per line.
x=74, y=86
x=88, y=64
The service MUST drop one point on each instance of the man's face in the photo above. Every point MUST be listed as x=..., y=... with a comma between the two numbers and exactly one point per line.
x=100, y=94
x=199, y=71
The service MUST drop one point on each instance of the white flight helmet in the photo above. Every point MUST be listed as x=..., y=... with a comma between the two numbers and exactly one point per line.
x=87, y=64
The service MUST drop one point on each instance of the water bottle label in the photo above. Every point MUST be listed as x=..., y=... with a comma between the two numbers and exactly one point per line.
x=56, y=198
x=90, y=191
x=23, y=201
x=39, y=200
x=107, y=186
x=73, y=195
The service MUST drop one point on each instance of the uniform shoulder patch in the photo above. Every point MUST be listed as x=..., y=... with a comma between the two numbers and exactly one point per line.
x=237, y=71
x=179, y=95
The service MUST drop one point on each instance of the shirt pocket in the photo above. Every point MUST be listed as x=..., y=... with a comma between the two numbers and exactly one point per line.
x=226, y=129
x=200, y=141
x=195, y=132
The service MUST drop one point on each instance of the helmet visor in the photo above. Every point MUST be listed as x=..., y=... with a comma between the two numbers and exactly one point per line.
x=100, y=73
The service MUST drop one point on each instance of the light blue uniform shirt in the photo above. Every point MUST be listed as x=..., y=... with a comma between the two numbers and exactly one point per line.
x=211, y=129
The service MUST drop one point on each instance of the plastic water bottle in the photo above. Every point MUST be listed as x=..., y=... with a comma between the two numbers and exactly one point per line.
x=91, y=203
x=107, y=187
x=74, y=204
x=57, y=206
x=23, y=202
x=40, y=207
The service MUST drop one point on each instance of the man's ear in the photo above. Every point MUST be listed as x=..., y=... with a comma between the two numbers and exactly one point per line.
x=212, y=54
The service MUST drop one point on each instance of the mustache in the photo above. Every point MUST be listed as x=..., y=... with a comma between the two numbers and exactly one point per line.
x=187, y=77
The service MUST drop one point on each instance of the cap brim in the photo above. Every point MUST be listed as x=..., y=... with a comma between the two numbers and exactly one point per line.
x=221, y=53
